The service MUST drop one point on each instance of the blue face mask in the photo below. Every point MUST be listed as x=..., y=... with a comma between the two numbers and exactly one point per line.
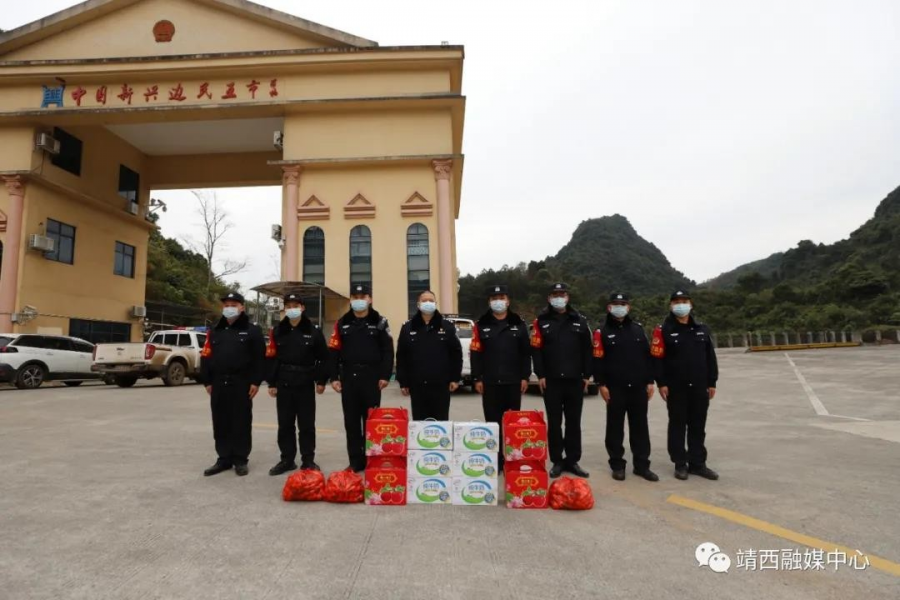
x=293, y=313
x=428, y=307
x=499, y=306
x=231, y=312
x=559, y=303
x=618, y=311
x=359, y=305
x=681, y=310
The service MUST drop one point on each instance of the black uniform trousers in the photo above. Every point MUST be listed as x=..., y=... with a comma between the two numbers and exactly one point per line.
x=430, y=401
x=564, y=397
x=232, y=417
x=496, y=400
x=687, y=408
x=296, y=404
x=359, y=393
x=631, y=402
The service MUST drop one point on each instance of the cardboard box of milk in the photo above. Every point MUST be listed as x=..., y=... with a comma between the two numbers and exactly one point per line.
x=429, y=463
x=468, y=491
x=430, y=435
x=474, y=464
x=428, y=490
x=476, y=436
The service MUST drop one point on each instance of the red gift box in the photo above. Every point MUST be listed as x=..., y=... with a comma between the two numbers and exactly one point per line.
x=386, y=431
x=524, y=435
x=526, y=484
x=386, y=481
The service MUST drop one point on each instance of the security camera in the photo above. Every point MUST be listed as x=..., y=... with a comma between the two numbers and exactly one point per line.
x=276, y=233
x=278, y=140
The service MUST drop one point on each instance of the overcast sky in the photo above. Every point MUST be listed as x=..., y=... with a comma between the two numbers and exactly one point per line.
x=724, y=131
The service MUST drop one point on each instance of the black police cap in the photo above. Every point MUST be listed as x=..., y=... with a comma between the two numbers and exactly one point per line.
x=500, y=288
x=559, y=287
x=619, y=297
x=679, y=294
x=360, y=288
x=233, y=296
x=294, y=297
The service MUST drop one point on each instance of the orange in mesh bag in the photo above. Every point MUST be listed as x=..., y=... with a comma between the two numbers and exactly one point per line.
x=344, y=487
x=567, y=493
x=304, y=486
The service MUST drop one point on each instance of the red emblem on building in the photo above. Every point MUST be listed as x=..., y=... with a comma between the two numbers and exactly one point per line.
x=164, y=31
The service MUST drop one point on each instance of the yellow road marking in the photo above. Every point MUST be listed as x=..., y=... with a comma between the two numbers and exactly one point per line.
x=275, y=426
x=881, y=564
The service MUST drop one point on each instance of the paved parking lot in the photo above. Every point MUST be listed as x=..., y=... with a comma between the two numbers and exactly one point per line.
x=102, y=496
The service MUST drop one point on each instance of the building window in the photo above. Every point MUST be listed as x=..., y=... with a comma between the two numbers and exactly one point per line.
x=70, y=149
x=124, y=260
x=418, y=274
x=360, y=256
x=129, y=184
x=100, y=332
x=314, y=256
x=64, y=248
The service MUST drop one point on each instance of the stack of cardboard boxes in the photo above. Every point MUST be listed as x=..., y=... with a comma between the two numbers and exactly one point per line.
x=525, y=451
x=386, y=448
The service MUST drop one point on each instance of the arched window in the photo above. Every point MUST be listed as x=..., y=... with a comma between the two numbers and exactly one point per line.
x=418, y=274
x=360, y=255
x=314, y=256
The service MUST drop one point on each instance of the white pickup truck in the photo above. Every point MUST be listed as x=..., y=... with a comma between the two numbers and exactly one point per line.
x=171, y=355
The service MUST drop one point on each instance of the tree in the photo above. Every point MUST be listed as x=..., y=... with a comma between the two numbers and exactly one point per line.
x=215, y=226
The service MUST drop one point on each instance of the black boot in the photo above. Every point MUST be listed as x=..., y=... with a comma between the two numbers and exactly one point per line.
x=219, y=467
x=704, y=472
x=282, y=467
x=309, y=465
x=681, y=472
x=618, y=474
x=647, y=474
x=575, y=469
x=241, y=470
x=556, y=470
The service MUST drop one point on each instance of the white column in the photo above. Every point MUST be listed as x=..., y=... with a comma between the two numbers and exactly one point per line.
x=443, y=170
x=12, y=248
x=290, y=228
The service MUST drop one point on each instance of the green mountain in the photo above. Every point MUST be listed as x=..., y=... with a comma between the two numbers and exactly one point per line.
x=767, y=267
x=603, y=255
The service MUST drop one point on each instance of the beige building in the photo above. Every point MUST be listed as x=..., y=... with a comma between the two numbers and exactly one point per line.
x=104, y=102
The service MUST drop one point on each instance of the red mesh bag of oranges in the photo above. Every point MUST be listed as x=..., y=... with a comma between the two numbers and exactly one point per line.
x=304, y=486
x=344, y=487
x=567, y=493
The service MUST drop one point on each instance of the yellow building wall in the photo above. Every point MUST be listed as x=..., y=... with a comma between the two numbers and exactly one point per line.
x=87, y=289
x=129, y=32
x=368, y=134
x=388, y=188
x=17, y=149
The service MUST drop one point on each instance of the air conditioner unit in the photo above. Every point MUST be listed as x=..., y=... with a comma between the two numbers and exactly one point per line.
x=132, y=207
x=41, y=242
x=47, y=143
x=278, y=140
x=139, y=311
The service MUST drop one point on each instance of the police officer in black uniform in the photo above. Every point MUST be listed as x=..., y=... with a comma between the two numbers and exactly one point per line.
x=232, y=367
x=686, y=373
x=429, y=361
x=362, y=361
x=624, y=372
x=298, y=357
x=500, y=356
x=562, y=353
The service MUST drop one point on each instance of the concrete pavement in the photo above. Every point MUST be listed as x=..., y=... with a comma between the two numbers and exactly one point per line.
x=102, y=496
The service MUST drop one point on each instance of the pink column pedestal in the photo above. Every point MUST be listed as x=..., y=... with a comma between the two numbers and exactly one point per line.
x=12, y=248
x=289, y=270
x=443, y=170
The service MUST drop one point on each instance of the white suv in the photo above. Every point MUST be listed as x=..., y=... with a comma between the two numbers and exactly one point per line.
x=464, y=329
x=28, y=360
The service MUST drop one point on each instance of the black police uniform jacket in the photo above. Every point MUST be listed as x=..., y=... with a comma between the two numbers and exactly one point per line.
x=684, y=353
x=365, y=341
x=235, y=351
x=428, y=352
x=298, y=354
x=622, y=354
x=500, y=352
x=561, y=345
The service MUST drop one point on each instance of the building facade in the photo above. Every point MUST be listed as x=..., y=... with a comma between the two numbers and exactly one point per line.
x=107, y=101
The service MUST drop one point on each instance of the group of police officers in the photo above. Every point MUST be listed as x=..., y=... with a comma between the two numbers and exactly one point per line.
x=565, y=354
